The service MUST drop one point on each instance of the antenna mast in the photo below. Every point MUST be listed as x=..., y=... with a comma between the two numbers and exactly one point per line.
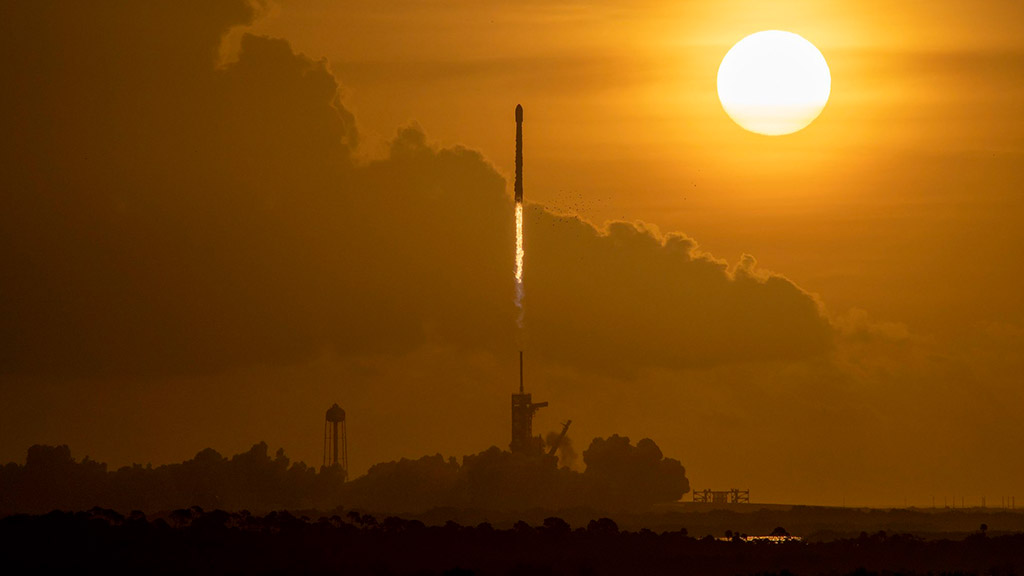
x=520, y=371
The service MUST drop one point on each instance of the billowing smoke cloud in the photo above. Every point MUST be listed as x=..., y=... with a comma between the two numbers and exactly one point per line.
x=635, y=473
x=567, y=455
x=618, y=476
x=166, y=215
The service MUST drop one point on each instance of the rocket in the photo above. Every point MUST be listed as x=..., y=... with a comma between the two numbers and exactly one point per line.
x=519, y=154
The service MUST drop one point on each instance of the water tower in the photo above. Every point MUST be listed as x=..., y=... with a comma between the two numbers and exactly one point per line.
x=335, y=442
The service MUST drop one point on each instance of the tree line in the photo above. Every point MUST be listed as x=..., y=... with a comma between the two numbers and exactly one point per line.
x=618, y=476
x=195, y=541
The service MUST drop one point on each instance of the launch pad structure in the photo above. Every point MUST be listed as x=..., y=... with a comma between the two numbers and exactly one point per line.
x=733, y=496
x=523, y=409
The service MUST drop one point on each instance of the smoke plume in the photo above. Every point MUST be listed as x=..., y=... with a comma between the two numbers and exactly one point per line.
x=567, y=454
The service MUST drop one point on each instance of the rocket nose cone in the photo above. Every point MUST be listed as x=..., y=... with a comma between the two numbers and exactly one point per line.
x=519, y=113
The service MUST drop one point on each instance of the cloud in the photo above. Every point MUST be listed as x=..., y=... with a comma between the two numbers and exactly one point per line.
x=629, y=296
x=857, y=325
x=164, y=212
x=169, y=215
x=196, y=252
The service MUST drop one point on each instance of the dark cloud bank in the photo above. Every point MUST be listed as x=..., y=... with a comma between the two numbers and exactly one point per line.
x=165, y=215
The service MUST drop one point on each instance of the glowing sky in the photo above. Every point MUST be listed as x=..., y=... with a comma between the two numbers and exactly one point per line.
x=212, y=237
x=625, y=124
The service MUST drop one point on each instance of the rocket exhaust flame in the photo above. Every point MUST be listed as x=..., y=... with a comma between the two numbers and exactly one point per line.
x=519, y=216
x=519, y=263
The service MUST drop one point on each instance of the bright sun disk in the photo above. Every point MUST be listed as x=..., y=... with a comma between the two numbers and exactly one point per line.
x=773, y=82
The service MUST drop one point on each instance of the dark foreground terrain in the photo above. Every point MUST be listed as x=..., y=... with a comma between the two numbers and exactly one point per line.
x=196, y=542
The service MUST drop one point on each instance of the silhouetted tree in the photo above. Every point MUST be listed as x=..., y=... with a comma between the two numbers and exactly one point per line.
x=603, y=527
x=556, y=526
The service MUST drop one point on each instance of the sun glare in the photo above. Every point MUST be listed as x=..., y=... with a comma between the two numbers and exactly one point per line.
x=773, y=82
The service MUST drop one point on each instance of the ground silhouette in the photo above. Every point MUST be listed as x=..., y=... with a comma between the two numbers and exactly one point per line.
x=618, y=476
x=195, y=541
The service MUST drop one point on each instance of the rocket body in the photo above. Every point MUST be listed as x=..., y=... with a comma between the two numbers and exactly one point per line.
x=520, y=253
x=519, y=154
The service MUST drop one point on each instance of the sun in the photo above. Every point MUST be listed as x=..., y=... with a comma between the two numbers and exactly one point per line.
x=774, y=82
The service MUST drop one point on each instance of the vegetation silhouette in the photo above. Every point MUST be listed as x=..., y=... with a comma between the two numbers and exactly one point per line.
x=195, y=541
x=618, y=476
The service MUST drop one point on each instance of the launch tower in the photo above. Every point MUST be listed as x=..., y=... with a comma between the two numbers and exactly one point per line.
x=523, y=408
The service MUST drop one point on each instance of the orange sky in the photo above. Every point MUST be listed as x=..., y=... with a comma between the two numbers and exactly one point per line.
x=920, y=138
x=202, y=254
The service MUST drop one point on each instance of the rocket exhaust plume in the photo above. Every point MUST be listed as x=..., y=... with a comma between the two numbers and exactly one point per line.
x=519, y=215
